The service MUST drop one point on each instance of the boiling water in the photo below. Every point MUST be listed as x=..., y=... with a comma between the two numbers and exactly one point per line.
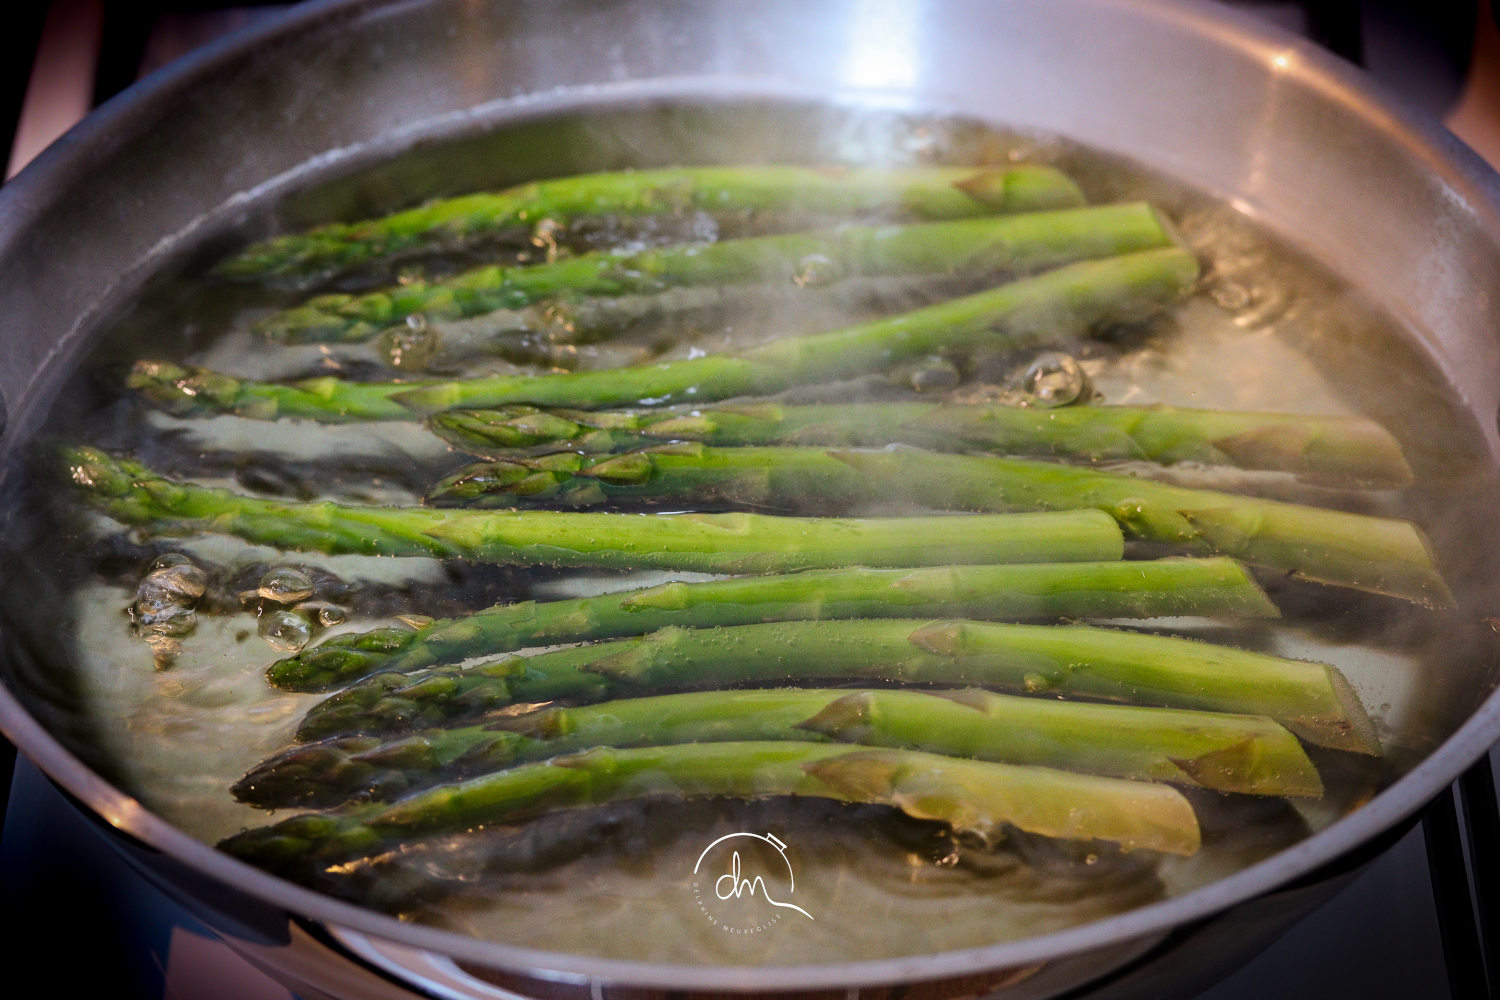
x=178, y=719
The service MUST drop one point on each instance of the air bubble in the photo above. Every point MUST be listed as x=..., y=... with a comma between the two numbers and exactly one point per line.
x=163, y=610
x=175, y=583
x=171, y=620
x=1054, y=379
x=284, y=585
x=327, y=615
x=285, y=630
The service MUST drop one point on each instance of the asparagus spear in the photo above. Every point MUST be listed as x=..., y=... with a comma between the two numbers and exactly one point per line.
x=1216, y=587
x=1326, y=448
x=1381, y=555
x=1313, y=700
x=967, y=246
x=924, y=193
x=1013, y=314
x=187, y=390
x=973, y=797
x=549, y=333
x=722, y=543
x=1228, y=753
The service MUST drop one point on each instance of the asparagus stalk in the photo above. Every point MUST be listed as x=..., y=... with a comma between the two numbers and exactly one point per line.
x=1214, y=587
x=1012, y=314
x=1313, y=700
x=973, y=797
x=967, y=246
x=549, y=333
x=923, y=193
x=1381, y=555
x=556, y=333
x=1326, y=448
x=1228, y=753
x=188, y=390
x=723, y=543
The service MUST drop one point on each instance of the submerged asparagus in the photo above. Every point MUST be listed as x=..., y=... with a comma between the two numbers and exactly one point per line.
x=969, y=246
x=716, y=543
x=1072, y=297
x=1313, y=700
x=1228, y=753
x=1376, y=554
x=923, y=193
x=1329, y=448
x=550, y=333
x=1014, y=314
x=1216, y=587
x=973, y=797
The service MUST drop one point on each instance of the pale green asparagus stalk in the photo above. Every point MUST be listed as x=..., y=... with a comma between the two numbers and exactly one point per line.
x=1069, y=298
x=1342, y=449
x=1228, y=753
x=1015, y=314
x=1313, y=700
x=1376, y=554
x=1147, y=589
x=723, y=543
x=448, y=224
x=550, y=333
x=973, y=797
x=974, y=247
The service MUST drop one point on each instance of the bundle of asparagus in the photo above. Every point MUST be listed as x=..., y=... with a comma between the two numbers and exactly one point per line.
x=1213, y=587
x=1012, y=315
x=1375, y=554
x=1312, y=699
x=984, y=246
x=972, y=797
x=923, y=193
x=921, y=607
x=1232, y=753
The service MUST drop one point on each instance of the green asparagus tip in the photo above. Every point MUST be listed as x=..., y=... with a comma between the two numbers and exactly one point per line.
x=102, y=473
x=186, y=390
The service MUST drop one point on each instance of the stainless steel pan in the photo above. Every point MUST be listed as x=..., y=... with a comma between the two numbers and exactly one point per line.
x=1299, y=141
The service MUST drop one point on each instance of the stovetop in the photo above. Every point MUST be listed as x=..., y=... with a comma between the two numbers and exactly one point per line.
x=1416, y=923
